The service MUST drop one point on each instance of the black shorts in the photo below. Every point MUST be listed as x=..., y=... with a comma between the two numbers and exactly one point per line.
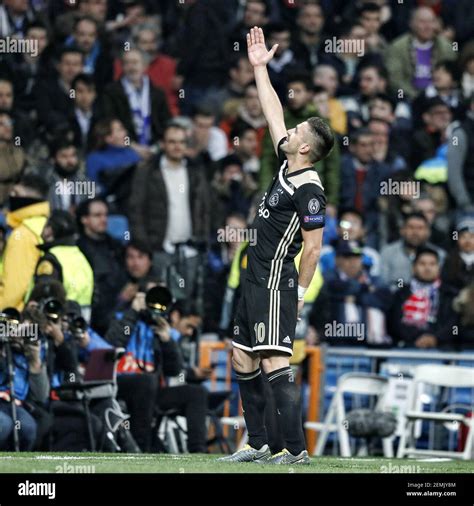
x=265, y=319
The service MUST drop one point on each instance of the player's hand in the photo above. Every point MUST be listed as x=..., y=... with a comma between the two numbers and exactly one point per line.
x=258, y=53
x=300, y=308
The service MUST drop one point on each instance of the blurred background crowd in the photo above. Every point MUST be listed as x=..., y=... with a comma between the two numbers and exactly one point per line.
x=133, y=153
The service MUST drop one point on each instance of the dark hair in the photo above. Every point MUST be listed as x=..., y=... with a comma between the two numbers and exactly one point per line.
x=451, y=67
x=203, y=110
x=384, y=98
x=264, y=2
x=59, y=144
x=352, y=210
x=85, y=17
x=36, y=23
x=173, y=124
x=101, y=130
x=140, y=246
x=34, y=181
x=86, y=79
x=323, y=136
x=69, y=50
x=319, y=89
x=425, y=250
x=272, y=28
x=48, y=289
x=357, y=134
x=380, y=69
x=300, y=77
x=62, y=224
x=368, y=7
x=6, y=112
x=186, y=308
x=417, y=215
x=83, y=209
x=240, y=129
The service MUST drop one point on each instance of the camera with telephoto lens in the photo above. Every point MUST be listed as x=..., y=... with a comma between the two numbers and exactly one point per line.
x=77, y=325
x=158, y=300
x=52, y=308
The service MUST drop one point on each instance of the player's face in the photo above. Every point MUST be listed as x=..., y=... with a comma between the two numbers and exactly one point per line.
x=426, y=268
x=295, y=139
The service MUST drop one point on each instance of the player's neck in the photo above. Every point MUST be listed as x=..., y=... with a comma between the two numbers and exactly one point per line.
x=297, y=163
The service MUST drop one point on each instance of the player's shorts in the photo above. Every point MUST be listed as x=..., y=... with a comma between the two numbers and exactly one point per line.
x=265, y=319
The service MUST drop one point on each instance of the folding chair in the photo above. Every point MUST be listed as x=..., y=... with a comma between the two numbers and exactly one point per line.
x=356, y=384
x=447, y=376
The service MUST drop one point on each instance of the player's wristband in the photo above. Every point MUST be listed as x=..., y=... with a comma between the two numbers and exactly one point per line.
x=301, y=292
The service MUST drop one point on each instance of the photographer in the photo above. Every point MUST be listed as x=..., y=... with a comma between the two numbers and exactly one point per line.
x=150, y=353
x=29, y=379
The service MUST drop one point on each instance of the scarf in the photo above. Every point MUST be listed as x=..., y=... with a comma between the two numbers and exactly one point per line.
x=420, y=309
x=140, y=105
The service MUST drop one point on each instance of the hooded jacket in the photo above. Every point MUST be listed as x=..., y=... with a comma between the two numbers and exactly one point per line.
x=21, y=253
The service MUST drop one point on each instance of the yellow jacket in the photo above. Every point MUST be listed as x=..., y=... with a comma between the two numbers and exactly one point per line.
x=21, y=254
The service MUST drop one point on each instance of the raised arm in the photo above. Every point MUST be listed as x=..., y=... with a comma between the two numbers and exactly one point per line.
x=259, y=56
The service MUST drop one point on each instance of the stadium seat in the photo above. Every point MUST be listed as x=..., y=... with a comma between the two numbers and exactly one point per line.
x=118, y=227
x=355, y=384
x=444, y=377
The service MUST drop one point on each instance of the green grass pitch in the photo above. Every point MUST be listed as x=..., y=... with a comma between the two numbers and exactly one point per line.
x=161, y=463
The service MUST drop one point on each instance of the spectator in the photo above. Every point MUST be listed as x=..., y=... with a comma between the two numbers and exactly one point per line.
x=458, y=270
x=85, y=113
x=326, y=77
x=248, y=113
x=231, y=95
x=397, y=257
x=308, y=41
x=372, y=81
x=245, y=148
x=463, y=305
x=208, y=143
x=361, y=178
x=256, y=13
x=283, y=59
x=232, y=190
x=203, y=53
x=438, y=221
x=350, y=228
x=27, y=216
x=97, y=58
x=139, y=267
x=105, y=256
x=299, y=108
x=466, y=64
x=63, y=261
x=24, y=69
x=67, y=186
x=426, y=140
x=53, y=95
x=355, y=297
x=445, y=86
x=336, y=118
x=412, y=56
x=112, y=161
x=14, y=18
x=421, y=314
x=140, y=106
x=370, y=18
x=461, y=161
x=172, y=193
x=12, y=157
x=383, y=151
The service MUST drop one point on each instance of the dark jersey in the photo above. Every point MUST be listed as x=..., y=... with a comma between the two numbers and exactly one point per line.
x=292, y=201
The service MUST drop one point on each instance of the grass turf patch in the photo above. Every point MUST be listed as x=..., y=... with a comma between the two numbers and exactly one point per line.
x=162, y=463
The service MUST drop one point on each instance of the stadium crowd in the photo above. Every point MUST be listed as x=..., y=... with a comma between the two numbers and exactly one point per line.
x=134, y=153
